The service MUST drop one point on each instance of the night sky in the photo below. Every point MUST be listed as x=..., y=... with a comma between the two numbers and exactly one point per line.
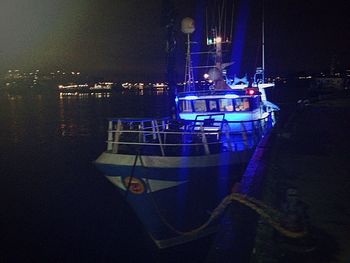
x=126, y=37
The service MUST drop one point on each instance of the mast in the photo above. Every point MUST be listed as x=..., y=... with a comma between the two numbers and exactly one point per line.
x=187, y=27
x=189, y=78
x=169, y=17
x=263, y=42
x=259, y=76
x=220, y=26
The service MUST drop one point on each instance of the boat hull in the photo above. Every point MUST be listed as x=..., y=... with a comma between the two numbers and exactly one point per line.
x=174, y=195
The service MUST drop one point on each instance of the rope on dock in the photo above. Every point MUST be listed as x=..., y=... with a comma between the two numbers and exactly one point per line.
x=267, y=213
x=262, y=209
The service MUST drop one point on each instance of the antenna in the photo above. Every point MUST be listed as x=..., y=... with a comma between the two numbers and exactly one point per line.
x=259, y=76
x=187, y=27
x=263, y=41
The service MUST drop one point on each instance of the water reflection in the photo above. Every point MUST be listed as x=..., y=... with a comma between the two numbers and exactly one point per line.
x=67, y=95
x=44, y=117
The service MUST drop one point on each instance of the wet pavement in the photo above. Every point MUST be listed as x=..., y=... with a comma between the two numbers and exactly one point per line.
x=308, y=153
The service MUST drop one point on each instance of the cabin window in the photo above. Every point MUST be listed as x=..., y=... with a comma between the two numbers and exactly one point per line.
x=185, y=106
x=242, y=104
x=226, y=105
x=212, y=105
x=199, y=106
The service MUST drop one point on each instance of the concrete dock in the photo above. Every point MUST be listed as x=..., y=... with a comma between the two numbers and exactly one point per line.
x=307, y=154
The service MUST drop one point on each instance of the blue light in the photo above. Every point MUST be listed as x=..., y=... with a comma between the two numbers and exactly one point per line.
x=238, y=116
x=190, y=98
x=188, y=116
x=239, y=37
x=231, y=96
x=176, y=99
x=229, y=116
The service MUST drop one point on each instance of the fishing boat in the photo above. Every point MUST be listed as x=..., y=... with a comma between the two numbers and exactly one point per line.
x=174, y=171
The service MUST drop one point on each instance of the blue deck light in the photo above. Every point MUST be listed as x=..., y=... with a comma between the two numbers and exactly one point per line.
x=191, y=97
x=231, y=96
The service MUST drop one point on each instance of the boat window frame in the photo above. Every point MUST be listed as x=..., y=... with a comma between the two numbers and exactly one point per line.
x=200, y=100
x=217, y=108
x=244, y=109
x=182, y=102
x=224, y=109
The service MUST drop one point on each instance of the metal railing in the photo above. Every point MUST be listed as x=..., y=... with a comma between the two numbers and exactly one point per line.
x=166, y=137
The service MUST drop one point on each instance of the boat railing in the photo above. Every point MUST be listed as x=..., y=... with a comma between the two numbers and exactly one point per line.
x=167, y=137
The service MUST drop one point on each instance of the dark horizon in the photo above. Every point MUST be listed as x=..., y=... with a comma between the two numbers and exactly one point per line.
x=127, y=40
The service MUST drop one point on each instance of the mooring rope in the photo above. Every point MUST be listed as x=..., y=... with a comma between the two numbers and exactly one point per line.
x=256, y=205
x=132, y=174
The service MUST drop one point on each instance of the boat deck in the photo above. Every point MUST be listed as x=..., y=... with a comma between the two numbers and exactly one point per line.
x=167, y=137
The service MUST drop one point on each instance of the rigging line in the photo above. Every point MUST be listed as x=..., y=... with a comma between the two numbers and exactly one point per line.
x=218, y=21
x=132, y=174
x=221, y=16
x=233, y=5
x=206, y=23
x=165, y=221
x=225, y=22
x=257, y=53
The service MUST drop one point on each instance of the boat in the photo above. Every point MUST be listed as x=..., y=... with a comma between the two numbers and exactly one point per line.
x=174, y=171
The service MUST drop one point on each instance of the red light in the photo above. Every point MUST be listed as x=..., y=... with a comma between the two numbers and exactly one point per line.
x=250, y=92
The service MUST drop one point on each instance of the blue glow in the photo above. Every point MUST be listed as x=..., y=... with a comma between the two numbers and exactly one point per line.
x=176, y=99
x=231, y=96
x=197, y=37
x=229, y=116
x=239, y=37
x=181, y=193
x=223, y=181
x=238, y=116
x=190, y=98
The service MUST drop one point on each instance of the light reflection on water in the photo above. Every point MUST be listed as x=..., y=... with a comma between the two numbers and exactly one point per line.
x=72, y=115
x=55, y=203
x=59, y=137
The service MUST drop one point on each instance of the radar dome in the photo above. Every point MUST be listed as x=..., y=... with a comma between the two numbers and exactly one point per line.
x=187, y=25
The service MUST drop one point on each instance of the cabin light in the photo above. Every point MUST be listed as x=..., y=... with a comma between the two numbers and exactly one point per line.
x=218, y=40
x=231, y=96
x=176, y=99
x=190, y=98
x=206, y=76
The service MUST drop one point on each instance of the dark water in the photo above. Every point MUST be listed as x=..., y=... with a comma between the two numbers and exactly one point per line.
x=55, y=206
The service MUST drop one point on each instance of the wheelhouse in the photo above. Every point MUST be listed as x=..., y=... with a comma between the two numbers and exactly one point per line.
x=223, y=102
x=207, y=105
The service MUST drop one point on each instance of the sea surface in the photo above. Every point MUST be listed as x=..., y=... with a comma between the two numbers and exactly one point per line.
x=55, y=205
